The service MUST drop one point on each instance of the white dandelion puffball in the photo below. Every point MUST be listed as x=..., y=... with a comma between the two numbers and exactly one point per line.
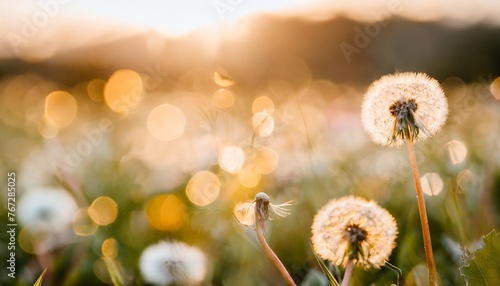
x=53, y=206
x=342, y=222
x=177, y=263
x=403, y=106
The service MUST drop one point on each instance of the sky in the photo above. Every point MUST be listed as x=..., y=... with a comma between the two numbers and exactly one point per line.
x=29, y=25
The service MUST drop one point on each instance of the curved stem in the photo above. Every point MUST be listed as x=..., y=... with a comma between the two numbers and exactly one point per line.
x=259, y=225
x=348, y=273
x=423, y=216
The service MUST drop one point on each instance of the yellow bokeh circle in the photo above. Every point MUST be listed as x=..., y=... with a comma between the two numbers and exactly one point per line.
x=166, y=212
x=60, y=108
x=203, y=188
x=223, y=98
x=103, y=210
x=262, y=103
x=83, y=225
x=123, y=91
x=109, y=248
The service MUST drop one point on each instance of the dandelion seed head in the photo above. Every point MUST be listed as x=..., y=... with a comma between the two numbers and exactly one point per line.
x=262, y=196
x=245, y=212
x=49, y=206
x=354, y=228
x=355, y=234
x=173, y=263
x=281, y=210
x=404, y=106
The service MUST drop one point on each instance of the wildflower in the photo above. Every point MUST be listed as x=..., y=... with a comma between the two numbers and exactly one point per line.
x=260, y=214
x=354, y=229
x=176, y=263
x=405, y=106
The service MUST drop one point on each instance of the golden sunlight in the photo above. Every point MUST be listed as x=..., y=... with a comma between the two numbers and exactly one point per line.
x=166, y=122
x=203, y=188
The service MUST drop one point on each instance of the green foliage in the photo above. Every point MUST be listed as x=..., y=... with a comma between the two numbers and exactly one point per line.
x=114, y=271
x=38, y=282
x=332, y=164
x=396, y=270
x=326, y=271
x=483, y=266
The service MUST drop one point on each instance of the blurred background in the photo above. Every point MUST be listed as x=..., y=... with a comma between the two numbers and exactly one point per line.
x=130, y=122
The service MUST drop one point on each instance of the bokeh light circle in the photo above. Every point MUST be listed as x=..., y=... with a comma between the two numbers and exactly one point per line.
x=266, y=160
x=203, y=188
x=262, y=103
x=166, y=212
x=222, y=78
x=231, y=159
x=123, y=91
x=103, y=266
x=83, y=225
x=263, y=124
x=457, y=151
x=166, y=122
x=60, y=108
x=103, y=210
x=223, y=98
x=25, y=241
x=249, y=176
x=495, y=88
x=432, y=184
x=95, y=89
x=47, y=128
x=109, y=248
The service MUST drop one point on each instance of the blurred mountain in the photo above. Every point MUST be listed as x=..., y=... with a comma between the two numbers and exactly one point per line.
x=340, y=49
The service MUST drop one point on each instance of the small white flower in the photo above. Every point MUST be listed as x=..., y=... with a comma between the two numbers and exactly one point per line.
x=47, y=206
x=177, y=263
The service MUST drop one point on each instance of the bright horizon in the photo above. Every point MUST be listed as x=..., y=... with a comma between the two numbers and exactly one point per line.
x=29, y=27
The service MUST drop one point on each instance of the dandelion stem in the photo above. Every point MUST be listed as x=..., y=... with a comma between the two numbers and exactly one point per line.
x=253, y=140
x=423, y=216
x=348, y=273
x=260, y=219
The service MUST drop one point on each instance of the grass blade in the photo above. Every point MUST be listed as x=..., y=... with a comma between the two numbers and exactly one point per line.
x=38, y=282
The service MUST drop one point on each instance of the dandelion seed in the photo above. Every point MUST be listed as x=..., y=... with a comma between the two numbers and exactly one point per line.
x=405, y=106
x=260, y=206
x=177, y=263
x=245, y=212
x=354, y=229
